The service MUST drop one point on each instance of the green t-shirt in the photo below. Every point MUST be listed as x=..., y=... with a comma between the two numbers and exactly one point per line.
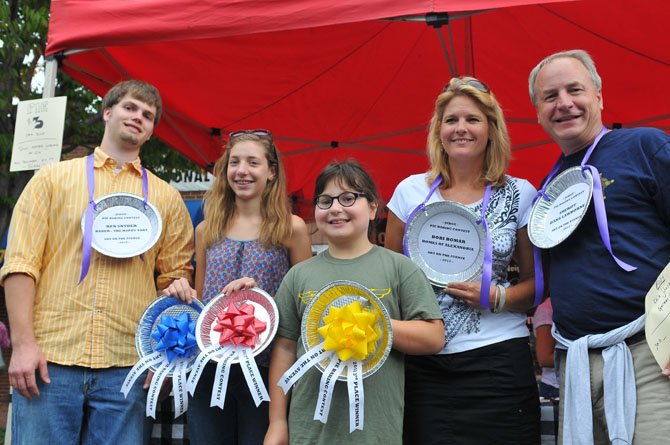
x=407, y=295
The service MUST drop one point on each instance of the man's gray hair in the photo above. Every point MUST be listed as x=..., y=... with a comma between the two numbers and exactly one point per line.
x=578, y=54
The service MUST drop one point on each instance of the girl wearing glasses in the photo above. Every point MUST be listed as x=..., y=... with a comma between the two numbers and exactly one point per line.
x=248, y=237
x=480, y=388
x=346, y=202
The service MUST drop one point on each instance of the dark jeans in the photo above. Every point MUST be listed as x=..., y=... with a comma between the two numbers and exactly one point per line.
x=240, y=421
x=548, y=391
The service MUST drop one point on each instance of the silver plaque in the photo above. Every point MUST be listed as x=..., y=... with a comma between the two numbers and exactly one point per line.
x=446, y=242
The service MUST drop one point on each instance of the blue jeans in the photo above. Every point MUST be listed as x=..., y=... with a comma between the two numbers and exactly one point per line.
x=80, y=406
x=240, y=421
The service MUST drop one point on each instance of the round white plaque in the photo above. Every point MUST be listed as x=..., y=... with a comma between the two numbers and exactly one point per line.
x=123, y=226
x=446, y=242
x=553, y=220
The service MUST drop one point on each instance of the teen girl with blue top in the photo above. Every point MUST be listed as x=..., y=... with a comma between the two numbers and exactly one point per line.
x=248, y=238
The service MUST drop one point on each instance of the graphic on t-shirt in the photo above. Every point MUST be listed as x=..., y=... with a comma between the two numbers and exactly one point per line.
x=502, y=216
x=605, y=183
x=458, y=316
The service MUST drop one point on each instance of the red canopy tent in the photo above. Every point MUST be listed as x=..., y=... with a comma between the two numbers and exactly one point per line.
x=343, y=79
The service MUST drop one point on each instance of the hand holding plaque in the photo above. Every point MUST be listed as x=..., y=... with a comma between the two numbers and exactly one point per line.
x=446, y=242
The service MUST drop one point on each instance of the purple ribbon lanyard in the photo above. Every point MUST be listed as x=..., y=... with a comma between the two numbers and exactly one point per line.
x=485, y=291
x=92, y=207
x=598, y=200
x=599, y=204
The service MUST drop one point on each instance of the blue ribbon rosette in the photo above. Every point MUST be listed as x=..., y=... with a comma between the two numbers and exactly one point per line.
x=166, y=343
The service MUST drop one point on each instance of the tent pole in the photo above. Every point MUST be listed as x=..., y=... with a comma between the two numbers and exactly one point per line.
x=453, y=49
x=168, y=120
x=437, y=20
x=469, y=52
x=50, y=70
x=452, y=70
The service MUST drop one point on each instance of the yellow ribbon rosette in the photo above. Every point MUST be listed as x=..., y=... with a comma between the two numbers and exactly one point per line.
x=346, y=333
x=351, y=331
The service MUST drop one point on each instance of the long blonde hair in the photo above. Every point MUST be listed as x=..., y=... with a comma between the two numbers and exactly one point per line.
x=219, y=201
x=498, y=150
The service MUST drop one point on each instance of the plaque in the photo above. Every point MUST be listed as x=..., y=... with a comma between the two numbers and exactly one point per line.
x=153, y=315
x=553, y=220
x=446, y=242
x=123, y=226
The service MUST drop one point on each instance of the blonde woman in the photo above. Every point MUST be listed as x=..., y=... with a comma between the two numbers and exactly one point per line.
x=481, y=387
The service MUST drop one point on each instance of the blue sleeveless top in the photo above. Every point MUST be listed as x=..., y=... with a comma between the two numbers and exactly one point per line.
x=228, y=260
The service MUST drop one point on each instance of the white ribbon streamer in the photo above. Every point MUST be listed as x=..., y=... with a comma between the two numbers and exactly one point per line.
x=155, y=387
x=356, y=395
x=139, y=368
x=327, y=387
x=200, y=362
x=179, y=387
x=252, y=375
x=221, y=379
x=328, y=381
x=306, y=361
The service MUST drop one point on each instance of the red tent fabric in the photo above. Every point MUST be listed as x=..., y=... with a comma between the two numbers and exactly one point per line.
x=334, y=80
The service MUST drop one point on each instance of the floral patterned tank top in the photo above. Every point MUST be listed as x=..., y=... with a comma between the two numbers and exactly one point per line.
x=230, y=259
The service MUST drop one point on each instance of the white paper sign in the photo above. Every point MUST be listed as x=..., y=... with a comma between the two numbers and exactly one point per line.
x=38, y=133
x=657, y=324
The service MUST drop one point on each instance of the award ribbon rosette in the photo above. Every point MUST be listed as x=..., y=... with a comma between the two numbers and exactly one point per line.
x=347, y=334
x=232, y=329
x=165, y=341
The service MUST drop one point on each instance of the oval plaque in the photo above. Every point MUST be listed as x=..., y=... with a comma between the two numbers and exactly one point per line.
x=446, y=242
x=339, y=294
x=553, y=220
x=123, y=226
x=160, y=307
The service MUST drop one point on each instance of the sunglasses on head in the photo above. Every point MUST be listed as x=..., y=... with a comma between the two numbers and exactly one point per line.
x=260, y=132
x=469, y=81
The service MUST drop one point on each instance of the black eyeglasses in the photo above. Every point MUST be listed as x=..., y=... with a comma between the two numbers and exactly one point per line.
x=469, y=81
x=346, y=199
x=260, y=132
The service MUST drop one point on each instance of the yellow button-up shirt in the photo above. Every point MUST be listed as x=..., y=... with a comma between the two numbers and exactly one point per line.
x=92, y=323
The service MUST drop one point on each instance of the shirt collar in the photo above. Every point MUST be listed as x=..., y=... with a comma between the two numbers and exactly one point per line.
x=100, y=158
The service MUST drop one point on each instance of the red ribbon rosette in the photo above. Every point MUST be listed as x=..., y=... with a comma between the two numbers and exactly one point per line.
x=239, y=325
x=233, y=329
